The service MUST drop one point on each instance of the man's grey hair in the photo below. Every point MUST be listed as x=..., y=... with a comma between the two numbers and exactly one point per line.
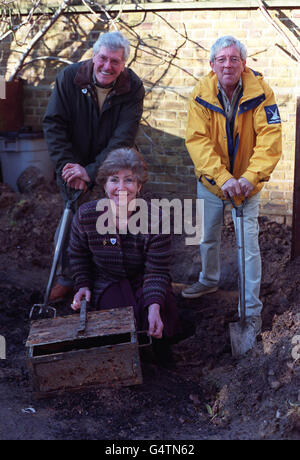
x=224, y=42
x=113, y=41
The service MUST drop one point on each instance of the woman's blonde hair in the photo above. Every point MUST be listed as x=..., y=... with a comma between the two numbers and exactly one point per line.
x=123, y=158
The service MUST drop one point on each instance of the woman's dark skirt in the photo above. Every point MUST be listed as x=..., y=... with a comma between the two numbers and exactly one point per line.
x=121, y=294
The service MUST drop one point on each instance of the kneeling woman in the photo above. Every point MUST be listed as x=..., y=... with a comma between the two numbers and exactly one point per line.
x=121, y=269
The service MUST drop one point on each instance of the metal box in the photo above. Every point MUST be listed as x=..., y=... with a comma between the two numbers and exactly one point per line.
x=106, y=354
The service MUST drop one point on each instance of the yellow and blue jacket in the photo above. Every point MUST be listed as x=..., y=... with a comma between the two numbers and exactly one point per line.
x=249, y=148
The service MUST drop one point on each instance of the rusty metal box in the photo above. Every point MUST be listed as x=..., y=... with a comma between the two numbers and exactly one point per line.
x=106, y=354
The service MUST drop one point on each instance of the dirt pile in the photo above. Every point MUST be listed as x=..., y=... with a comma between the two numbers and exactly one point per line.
x=209, y=395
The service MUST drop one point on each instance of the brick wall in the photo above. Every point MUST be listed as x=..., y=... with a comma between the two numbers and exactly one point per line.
x=170, y=51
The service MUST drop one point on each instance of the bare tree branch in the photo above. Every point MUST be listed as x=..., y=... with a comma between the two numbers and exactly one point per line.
x=271, y=21
x=38, y=36
x=106, y=13
x=13, y=28
x=48, y=58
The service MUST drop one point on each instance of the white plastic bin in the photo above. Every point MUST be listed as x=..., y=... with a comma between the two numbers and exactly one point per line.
x=21, y=150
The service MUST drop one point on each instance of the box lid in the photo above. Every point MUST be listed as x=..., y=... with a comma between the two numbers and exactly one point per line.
x=113, y=321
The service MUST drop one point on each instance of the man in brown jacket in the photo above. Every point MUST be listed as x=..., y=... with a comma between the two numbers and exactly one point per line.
x=95, y=107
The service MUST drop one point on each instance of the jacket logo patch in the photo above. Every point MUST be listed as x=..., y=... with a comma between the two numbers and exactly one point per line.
x=272, y=114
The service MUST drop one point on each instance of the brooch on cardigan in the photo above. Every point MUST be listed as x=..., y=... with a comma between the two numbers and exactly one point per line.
x=110, y=242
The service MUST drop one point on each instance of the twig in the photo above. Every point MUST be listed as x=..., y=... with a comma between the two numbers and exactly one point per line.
x=38, y=36
x=91, y=9
x=269, y=18
x=179, y=33
x=48, y=58
x=104, y=10
x=14, y=28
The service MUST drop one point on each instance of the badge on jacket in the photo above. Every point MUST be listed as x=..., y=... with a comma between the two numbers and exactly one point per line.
x=272, y=114
x=110, y=242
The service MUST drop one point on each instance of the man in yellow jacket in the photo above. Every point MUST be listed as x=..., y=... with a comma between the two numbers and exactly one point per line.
x=234, y=139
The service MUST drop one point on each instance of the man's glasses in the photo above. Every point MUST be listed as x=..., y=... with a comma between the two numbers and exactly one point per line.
x=232, y=59
x=104, y=59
